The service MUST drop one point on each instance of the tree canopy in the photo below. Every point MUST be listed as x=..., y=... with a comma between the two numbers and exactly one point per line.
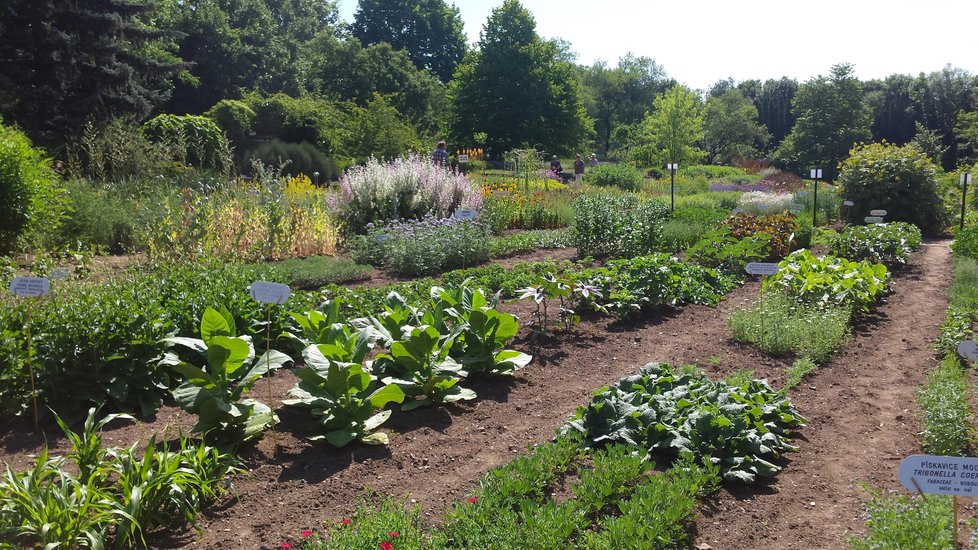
x=731, y=127
x=675, y=125
x=430, y=31
x=517, y=89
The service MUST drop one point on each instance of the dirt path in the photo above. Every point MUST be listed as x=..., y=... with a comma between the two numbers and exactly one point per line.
x=863, y=421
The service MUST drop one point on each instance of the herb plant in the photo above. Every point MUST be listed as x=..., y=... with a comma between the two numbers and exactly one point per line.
x=888, y=243
x=830, y=281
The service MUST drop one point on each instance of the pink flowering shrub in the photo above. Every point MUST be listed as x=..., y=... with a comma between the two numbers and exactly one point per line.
x=404, y=189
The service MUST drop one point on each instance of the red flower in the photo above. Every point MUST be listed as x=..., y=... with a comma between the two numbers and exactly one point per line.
x=285, y=545
x=393, y=534
x=386, y=546
x=345, y=521
x=473, y=500
x=307, y=533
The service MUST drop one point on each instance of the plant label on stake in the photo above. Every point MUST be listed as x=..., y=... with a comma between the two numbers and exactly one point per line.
x=271, y=294
x=30, y=287
x=848, y=203
x=380, y=238
x=761, y=268
x=953, y=476
x=873, y=219
x=968, y=349
x=466, y=214
x=463, y=159
x=879, y=213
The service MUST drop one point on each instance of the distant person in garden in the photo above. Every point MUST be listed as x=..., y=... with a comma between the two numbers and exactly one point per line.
x=440, y=156
x=555, y=166
x=593, y=161
x=578, y=169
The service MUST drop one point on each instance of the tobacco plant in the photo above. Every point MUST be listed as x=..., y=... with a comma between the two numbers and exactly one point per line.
x=344, y=396
x=830, y=281
x=421, y=366
x=214, y=390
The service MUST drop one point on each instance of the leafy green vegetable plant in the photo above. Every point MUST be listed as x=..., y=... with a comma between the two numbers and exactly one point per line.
x=889, y=243
x=739, y=427
x=345, y=397
x=421, y=366
x=214, y=391
x=830, y=281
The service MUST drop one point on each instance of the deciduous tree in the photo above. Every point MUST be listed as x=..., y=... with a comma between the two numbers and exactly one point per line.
x=675, y=125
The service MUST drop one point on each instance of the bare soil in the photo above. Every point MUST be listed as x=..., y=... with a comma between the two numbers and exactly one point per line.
x=860, y=406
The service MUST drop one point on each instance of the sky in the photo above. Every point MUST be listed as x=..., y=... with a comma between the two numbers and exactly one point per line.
x=699, y=42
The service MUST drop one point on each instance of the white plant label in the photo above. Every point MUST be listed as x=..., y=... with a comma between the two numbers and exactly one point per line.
x=738, y=210
x=816, y=173
x=501, y=193
x=466, y=214
x=29, y=287
x=879, y=213
x=270, y=293
x=380, y=238
x=873, y=219
x=968, y=349
x=940, y=475
x=463, y=159
x=761, y=268
x=965, y=178
x=672, y=166
x=848, y=203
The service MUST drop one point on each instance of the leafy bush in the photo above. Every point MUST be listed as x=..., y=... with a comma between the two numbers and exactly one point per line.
x=900, y=180
x=830, y=281
x=197, y=140
x=423, y=247
x=98, y=216
x=965, y=243
x=509, y=206
x=403, y=189
x=623, y=176
x=780, y=227
x=887, y=243
x=617, y=225
x=779, y=327
x=721, y=250
x=32, y=201
x=740, y=427
x=948, y=423
x=295, y=158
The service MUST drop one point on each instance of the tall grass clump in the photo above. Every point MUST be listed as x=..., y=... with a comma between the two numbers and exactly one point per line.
x=781, y=327
x=944, y=412
x=403, y=189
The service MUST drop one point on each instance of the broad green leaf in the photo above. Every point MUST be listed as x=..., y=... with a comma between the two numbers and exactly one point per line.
x=212, y=323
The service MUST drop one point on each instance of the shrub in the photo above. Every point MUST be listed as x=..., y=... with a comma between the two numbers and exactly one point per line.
x=617, y=225
x=403, y=189
x=196, y=140
x=31, y=197
x=100, y=217
x=234, y=117
x=296, y=158
x=623, y=176
x=887, y=243
x=965, y=244
x=900, y=180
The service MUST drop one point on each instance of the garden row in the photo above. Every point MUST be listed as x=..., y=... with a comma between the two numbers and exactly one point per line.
x=732, y=430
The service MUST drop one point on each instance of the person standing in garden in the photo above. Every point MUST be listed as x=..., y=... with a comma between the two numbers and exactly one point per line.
x=440, y=156
x=593, y=161
x=578, y=169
